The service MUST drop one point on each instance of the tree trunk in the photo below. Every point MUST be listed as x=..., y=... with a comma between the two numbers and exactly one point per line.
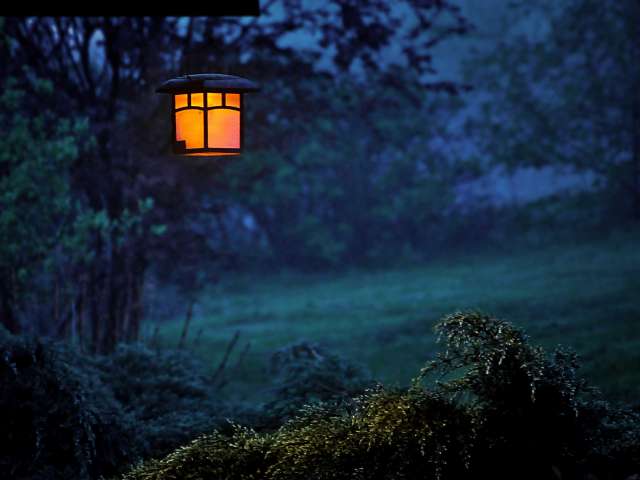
x=636, y=162
x=636, y=115
x=137, y=310
x=93, y=294
x=117, y=289
x=185, y=327
x=7, y=314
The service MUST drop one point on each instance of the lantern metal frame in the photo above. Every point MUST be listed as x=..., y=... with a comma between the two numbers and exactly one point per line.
x=204, y=83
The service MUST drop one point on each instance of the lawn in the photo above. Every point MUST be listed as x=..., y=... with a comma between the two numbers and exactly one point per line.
x=585, y=296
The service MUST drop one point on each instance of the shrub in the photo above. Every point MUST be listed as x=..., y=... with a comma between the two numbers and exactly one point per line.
x=499, y=408
x=386, y=434
x=383, y=434
x=76, y=416
x=305, y=373
x=58, y=421
x=170, y=394
x=526, y=405
x=610, y=440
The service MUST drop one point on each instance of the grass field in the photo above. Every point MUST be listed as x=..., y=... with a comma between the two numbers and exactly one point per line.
x=585, y=296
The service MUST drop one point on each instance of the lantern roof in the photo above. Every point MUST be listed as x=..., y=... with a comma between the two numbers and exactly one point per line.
x=208, y=82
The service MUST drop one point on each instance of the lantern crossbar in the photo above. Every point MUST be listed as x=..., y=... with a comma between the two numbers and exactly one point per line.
x=180, y=147
x=207, y=108
x=205, y=130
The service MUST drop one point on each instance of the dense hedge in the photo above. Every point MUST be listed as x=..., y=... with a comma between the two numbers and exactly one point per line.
x=58, y=419
x=305, y=373
x=170, y=394
x=77, y=416
x=489, y=406
x=70, y=415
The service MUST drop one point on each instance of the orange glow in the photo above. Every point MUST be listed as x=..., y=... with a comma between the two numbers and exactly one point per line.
x=197, y=100
x=233, y=100
x=211, y=154
x=223, y=124
x=181, y=101
x=190, y=127
x=224, y=128
x=214, y=99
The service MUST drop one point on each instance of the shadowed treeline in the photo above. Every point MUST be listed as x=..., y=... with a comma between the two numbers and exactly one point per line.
x=358, y=153
x=118, y=205
x=403, y=160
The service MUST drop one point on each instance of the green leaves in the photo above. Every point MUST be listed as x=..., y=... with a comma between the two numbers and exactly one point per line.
x=158, y=230
x=60, y=419
x=35, y=207
x=506, y=409
x=70, y=412
x=565, y=97
x=351, y=174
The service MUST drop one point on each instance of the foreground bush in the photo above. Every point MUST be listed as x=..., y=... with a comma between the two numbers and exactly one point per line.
x=170, y=394
x=58, y=420
x=68, y=415
x=489, y=406
x=304, y=373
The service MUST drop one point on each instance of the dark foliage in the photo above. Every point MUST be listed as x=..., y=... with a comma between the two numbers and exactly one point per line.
x=489, y=406
x=169, y=393
x=505, y=409
x=59, y=420
x=306, y=373
x=533, y=416
x=72, y=415
x=127, y=192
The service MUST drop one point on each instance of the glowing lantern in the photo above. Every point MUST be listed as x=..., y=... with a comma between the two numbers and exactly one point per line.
x=207, y=113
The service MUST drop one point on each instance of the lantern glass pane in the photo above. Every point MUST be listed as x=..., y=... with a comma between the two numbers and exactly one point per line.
x=224, y=128
x=181, y=101
x=197, y=100
x=214, y=99
x=233, y=100
x=190, y=128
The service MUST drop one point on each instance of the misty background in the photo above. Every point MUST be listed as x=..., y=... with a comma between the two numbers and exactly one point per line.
x=403, y=160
